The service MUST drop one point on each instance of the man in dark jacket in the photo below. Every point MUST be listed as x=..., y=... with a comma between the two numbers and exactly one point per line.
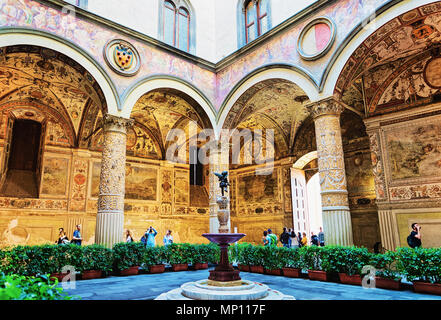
x=284, y=238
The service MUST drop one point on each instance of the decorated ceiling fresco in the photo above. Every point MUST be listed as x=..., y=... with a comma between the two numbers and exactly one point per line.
x=282, y=48
x=397, y=67
x=272, y=104
x=52, y=83
x=155, y=114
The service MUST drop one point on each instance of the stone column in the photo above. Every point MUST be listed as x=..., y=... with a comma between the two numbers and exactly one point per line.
x=110, y=217
x=219, y=162
x=336, y=216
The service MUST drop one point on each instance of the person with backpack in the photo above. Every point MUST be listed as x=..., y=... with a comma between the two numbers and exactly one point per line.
x=414, y=238
x=273, y=238
x=314, y=239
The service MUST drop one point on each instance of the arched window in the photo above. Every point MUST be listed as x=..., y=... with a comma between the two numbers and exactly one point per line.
x=176, y=26
x=255, y=19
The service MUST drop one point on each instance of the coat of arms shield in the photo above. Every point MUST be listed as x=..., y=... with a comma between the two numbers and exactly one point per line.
x=123, y=57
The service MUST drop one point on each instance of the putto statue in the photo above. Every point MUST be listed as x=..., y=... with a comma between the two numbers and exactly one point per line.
x=223, y=181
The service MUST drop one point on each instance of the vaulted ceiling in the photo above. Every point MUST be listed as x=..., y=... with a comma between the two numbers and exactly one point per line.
x=50, y=83
x=398, y=66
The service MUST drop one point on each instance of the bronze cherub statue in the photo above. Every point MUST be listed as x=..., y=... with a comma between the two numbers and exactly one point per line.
x=223, y=179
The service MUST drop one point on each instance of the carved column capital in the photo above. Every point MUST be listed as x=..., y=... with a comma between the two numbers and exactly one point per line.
x=118, y=124
x=328, y=106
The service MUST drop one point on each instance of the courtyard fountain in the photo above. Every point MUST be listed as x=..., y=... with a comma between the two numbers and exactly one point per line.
x=224, y=283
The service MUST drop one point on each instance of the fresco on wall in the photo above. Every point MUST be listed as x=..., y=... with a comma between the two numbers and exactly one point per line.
x=141, y=183
x=182, y=186
x=415, y=151
x=257, y=188
x=93, y=38
x=359, y=175
x=95, y=185
x=55, y=174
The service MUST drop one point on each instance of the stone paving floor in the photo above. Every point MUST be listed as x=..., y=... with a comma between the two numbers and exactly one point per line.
x=149, y=286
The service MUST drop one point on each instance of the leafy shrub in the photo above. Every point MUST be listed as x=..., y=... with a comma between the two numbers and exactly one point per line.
x=126, y=255
x=179, y=253
x=95, y=257
x=420, y=264
x=386, y=265
x=272, y=258
x=205, y=253
x=16, y=287
x=155, y=256
x=314, y=258
x=290, y=258
x=349, y=260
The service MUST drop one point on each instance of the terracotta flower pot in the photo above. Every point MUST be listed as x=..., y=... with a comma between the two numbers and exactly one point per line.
x=347, y=279
x=159, y=268
x=244, y=268
x=387, y=283
x=292, y=272
x=319, y=275
x=180, y=267
x=256, y=269
x=58, y=275
x=274, y=272
x=200, y=266
x=426, y=287
x=130, y=271
x=91, y=274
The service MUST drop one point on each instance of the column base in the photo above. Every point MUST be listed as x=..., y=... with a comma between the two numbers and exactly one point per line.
x=109, y=228
x=337, y=226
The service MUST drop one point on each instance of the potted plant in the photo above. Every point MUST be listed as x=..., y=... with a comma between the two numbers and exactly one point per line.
x=422, y=266
x=255, y=255
x=291, y=262
x=348, y=262
x=314, y=259
x=272, y=262
x=202, y=255
x=95, y=260
x=127, y=257
x=243, y=260
x=154, y=259
x=387, y=275
x=179, y=256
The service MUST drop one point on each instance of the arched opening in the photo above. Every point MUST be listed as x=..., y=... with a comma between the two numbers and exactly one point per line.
x=46, y=105
x=266, y=120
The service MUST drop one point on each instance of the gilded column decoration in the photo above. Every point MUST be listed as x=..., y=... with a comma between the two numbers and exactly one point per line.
x=336, y=216
x=110, y=218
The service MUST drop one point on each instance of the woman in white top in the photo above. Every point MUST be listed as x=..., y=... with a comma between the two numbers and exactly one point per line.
x=294, y=240
x=168, y=239
x=129, y=237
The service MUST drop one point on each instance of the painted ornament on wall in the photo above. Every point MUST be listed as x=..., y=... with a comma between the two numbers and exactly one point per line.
x=316, y=39
x=122, y=57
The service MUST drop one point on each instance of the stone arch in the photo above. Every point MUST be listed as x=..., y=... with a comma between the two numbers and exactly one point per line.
x=135, y=92
x=292, y=74
x=22, y=36
x=359, y=34
x=303, y=161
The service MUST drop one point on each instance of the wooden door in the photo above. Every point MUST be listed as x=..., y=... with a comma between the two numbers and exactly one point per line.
x=299, y=201
x=25, y=145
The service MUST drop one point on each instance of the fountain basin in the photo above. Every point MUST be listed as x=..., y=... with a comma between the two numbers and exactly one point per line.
x=224, y=238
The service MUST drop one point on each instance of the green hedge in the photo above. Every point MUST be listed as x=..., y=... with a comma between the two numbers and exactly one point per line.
x=420, y=264
x=16, y=287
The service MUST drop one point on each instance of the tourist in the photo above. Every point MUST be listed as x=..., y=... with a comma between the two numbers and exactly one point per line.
x=273, y=238
x=290, y=232
x=414, y=239
x=304, y=240
x=299, y=239
x=151, y=234
x=266, y=239
x=294, y=240
x=77, y=239
x=314, y=239
x=62, y=238
x=321, y=237
x=284, y=238
x=129, y=237
x=168, y=239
